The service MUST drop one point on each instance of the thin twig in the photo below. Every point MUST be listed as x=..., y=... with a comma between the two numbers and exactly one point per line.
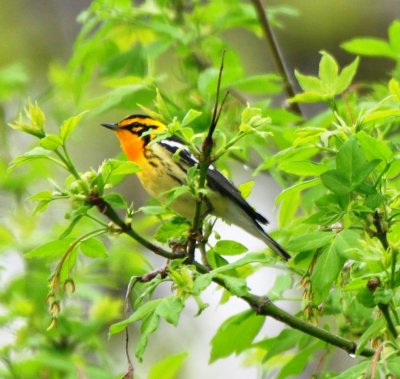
x=204, y=163
x=271, y=43
x=108, y=211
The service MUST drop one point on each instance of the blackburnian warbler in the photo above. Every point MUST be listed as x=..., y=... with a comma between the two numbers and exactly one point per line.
x=161, y=171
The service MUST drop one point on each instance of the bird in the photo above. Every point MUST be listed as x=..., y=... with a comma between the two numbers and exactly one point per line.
x=164, y=165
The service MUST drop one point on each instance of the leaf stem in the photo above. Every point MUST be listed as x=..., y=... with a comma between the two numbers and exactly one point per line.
x=384, y=308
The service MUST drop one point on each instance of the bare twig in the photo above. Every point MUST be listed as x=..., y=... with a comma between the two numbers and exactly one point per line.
x=204, y=163
x=271, y=43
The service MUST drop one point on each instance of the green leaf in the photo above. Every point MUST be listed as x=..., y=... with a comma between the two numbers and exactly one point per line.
x=168, y=368
x=336, y=182
x=153, y=210
x=394, y=36
x=93, y=248
x=246, y=188
x=393, y=365
x=149, y=326
x=235, y=334
x=51, y=142
x=299, y=361
x=374, y=148
x=297, y=188
x=170, y=308
x=372, y=47
x=373, y=331
x=236, y=286
x=303, y=168
x=394, y=88
x=190, y=116
x=346, y=76
x=144, y=312
x=42, y=195
x=50, y=249
x=117, y=167
x=201, y=283
x=286, y=340
x=228, y=247
x=351, y=168
x=35, y=153
x=308, y=97
x=172, y=228
x=329, y=265
x=116, y=200
x=282, y=283
x=356, y=372
x=267, y=83
x=328, y=73
x=310, y=241
x=383, y=296
x=308, y=83
x=69, y=125
x=381, y=115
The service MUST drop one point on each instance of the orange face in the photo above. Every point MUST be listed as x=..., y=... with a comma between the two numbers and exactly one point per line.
x=130, y=133
x=132, y=145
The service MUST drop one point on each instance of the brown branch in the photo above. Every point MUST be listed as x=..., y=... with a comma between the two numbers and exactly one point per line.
x=272, y=44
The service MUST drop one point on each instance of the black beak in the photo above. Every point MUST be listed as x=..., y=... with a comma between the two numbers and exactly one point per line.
x=110, y=126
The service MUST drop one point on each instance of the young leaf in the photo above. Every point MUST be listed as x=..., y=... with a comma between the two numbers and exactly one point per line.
x=394, y=88
x=346, y=76
x=373, y=331
x=282, y=283
x=308, y=83
x=303, y=168
x=190, y=116
x=51, y=142
x=286, y=340
x=310, y=241
x=172, y=228
x=50, y=249
x=35, y=153
x=93, y=248
x=394, y=36
x=168, y=368
x=148, y=327
x=116, y=200
x=330, y=263
x=372, y=47
x=228, y=247
x=170, y=308
x=117, y=167
x=245, y=188
x=236, y=286
x=69, y=125
x=144, y=312
x=328, y=73
x=235, y=334
x=299, y=361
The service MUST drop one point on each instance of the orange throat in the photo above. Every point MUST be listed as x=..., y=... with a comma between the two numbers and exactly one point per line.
x=132, y=145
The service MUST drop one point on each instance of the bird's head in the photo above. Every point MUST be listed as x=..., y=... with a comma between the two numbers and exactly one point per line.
x=135, y=132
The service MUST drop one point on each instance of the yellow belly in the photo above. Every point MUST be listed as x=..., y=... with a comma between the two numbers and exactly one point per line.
x=163, y=178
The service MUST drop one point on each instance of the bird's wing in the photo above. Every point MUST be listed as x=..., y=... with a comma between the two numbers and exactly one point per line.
x=215, y=179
